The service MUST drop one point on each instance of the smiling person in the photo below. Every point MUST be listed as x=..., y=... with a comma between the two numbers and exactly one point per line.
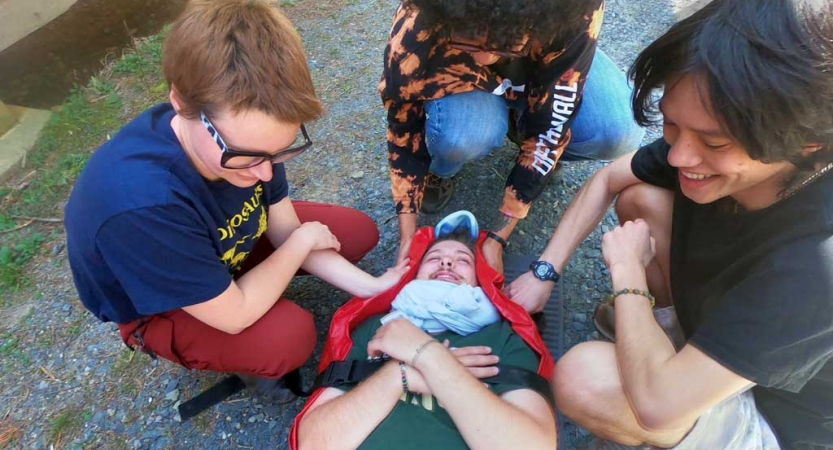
x=460, y=75
x=180, y=228
x=730, y=217
x=443, y=336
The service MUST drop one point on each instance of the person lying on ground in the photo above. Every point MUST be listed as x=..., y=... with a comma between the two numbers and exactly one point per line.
x=728, y=218
x=428, y=395
x=181, y=230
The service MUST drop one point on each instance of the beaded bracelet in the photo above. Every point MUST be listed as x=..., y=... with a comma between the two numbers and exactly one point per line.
x=404, y=377
x=645, y=294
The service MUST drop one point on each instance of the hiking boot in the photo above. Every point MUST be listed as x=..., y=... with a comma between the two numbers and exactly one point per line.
x=437, y=193
x=271, y=390
x=605, y=322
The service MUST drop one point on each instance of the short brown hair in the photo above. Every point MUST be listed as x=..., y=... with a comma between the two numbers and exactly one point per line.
x=241, y=55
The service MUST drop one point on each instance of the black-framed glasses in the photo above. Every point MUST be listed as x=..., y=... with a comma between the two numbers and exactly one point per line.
x=239, y=159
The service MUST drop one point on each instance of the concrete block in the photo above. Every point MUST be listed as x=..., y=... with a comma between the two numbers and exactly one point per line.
x=21, y=137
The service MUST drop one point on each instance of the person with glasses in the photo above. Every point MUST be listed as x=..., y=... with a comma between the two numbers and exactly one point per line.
x=459, y=75
x=180, y=228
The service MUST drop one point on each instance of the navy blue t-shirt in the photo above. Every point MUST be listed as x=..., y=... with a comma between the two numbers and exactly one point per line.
x=146, y=233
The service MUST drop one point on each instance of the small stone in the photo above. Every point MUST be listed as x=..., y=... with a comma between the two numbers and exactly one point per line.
x=111, y=412
x=57, y=249
x=172, y=385
x=357, y=175
x=578, y=326
x=66, y=308
x=154, y=434
x=580, y=317
x=43, y=385
x=137, y=444
x=98, y=417
x=172, y=396
x=160, y=444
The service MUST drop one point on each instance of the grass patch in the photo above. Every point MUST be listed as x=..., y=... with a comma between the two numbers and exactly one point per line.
x=13, y=257
x=10, y=350
x=65, y=423
x=87, y=118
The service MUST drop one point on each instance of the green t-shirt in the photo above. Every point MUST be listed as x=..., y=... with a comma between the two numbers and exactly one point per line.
x=419, y=421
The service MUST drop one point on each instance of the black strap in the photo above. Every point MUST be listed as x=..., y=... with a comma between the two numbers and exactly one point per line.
x=522, y=377
x=497, y=239
x=339, y=373
x=210, y=397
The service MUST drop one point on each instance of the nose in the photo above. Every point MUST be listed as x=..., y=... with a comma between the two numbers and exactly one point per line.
x=684, y=152
x=262, y=171
x=446, y=262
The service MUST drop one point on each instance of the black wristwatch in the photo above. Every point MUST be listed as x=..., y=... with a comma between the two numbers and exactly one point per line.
x=544, y=271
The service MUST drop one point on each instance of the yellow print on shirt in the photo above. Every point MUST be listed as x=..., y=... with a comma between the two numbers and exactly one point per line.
x=231, y=257
x=424, y=400
x=249, y=206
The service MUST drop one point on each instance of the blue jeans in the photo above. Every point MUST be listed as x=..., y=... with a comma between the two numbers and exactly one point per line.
x=464, y=127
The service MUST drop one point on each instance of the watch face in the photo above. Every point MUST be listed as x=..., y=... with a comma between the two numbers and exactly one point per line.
x=541, y=270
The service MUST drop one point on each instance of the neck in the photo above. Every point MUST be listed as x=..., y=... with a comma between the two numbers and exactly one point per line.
x=766, y=193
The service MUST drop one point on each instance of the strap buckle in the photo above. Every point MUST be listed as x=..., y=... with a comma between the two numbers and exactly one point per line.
x=339, y=373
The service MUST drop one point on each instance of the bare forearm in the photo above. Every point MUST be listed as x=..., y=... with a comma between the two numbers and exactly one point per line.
x=582, y=216
x=484, y=420
x=334, y=269
x=346, y=421
x=407, y=226
x=642, y=348
x=264, y=284
x=504, y=225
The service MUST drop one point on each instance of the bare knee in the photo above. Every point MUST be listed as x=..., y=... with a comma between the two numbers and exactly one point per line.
x=584, y=379
x=644, y=201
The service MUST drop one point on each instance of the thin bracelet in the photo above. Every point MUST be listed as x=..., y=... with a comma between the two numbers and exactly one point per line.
x=645, y=294
x=420, y=349
x=497, y=239
x=404, y=377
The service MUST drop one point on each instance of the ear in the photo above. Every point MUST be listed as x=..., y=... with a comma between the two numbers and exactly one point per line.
x=175, y=100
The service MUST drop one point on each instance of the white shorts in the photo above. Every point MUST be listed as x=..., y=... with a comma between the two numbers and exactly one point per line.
x=733, y=424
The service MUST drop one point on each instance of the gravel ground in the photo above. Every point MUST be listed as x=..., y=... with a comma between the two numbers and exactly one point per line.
x=68, y=382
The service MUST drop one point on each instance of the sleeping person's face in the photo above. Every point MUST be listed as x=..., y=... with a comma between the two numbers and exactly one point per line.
x=448, y=261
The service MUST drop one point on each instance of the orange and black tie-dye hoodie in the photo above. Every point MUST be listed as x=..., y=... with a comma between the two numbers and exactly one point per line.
x=420, y=66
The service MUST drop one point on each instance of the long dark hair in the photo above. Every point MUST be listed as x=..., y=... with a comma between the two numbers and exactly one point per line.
x=767, y=67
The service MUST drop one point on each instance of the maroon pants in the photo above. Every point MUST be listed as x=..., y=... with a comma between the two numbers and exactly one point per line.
x=280, y=341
